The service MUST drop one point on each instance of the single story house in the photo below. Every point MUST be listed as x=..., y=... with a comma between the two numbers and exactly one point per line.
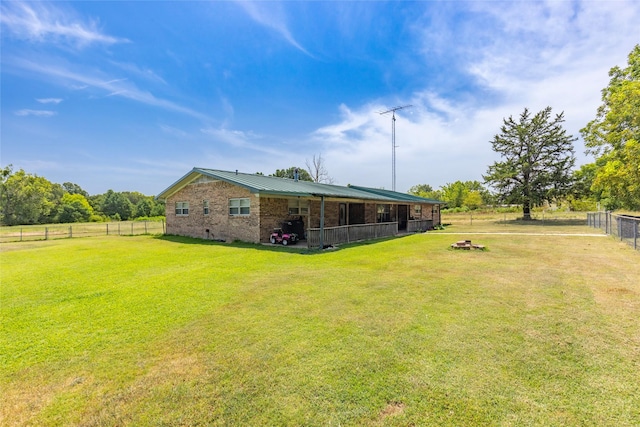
x=225, y=205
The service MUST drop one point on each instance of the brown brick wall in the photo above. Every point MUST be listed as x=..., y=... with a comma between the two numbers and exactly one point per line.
x=219, y=223
x=272, y=212
x=266, y=214
x=370, y=213
x=331, y=213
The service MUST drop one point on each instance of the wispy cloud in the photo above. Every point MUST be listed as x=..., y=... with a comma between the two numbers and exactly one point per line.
x=41, y=22
x=272, y=15
x=135, y=70
x=38, y=113
x=249, y=141
x=173, y=131
x=121, y=87
x=49, y=100
x=235, y=138
x=538, y=40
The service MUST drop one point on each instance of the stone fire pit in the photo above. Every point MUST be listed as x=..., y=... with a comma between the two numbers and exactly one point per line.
x=466, y=245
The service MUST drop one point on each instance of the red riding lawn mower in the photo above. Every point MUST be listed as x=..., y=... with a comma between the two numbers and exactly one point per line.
x=284, y=235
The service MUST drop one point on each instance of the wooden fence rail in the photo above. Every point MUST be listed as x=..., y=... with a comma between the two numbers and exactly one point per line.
x=417, y=225
x=65, y=231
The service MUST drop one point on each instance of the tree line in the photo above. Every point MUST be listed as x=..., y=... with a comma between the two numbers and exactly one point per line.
x=30, y=199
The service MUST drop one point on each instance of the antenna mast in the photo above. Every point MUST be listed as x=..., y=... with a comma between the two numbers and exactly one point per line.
x=393, y=142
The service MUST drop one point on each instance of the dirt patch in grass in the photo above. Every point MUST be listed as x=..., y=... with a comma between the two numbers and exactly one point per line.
x=392, y=409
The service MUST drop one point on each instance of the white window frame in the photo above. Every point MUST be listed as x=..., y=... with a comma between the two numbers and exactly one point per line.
x=383, y=213
x=298, y=207
x=240, y=207
x=418, y=208
x=182, y=208
x=205, y=207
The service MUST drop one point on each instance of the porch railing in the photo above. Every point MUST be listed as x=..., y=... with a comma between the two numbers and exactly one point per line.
x=416, y=225
x=350, y=233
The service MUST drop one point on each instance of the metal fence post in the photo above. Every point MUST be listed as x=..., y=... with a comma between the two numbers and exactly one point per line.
x=619, y=222
x=70, y=232
x=46, y=233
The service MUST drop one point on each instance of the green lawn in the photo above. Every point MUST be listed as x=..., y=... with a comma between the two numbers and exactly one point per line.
x=536, y=330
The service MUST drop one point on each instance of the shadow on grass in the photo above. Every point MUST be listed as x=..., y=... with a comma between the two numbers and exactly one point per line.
x=300, y=248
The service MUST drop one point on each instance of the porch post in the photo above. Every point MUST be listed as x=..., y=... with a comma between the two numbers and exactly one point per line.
x=321, y=222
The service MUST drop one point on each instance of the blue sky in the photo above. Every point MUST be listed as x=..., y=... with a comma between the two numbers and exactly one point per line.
x=130, y=96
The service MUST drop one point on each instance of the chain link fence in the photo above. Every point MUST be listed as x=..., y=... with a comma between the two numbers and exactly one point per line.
x=65, y=231
x=624, y=227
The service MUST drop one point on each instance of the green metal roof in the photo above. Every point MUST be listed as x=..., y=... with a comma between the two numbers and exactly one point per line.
x=403, y=196
x=266, y=185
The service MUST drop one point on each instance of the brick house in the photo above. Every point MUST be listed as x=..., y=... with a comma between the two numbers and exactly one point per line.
x=223, y=205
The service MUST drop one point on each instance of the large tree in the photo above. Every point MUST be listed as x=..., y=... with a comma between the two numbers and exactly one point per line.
x=26, y=198
x=470, y=194
x=290, y=173
x=426, y=191
x=116, y=205
x=614, y=137
x=538, y=156
x=72, y=188
x=74, y=208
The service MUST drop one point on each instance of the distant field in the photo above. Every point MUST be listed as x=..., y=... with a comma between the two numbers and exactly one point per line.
x=562, y=222
x=551, y=219
x=144, y=330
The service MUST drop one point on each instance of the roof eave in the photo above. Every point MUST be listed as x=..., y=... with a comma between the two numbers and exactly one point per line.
x=178, y=185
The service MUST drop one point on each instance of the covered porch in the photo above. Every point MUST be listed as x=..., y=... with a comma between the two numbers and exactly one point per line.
x=360, y=232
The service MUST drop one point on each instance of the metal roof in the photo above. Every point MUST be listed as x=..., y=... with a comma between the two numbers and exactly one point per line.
x=261, y=184
x=404, y=196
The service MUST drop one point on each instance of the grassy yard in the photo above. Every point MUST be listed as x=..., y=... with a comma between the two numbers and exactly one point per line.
x=548, y=221
x=535, y=330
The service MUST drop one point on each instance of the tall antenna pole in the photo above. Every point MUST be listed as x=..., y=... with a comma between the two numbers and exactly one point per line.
x=393, y=142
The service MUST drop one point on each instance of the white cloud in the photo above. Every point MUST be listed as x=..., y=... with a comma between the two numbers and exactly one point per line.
x=37, y=113
x=247, y=140
x=49, y=100
x=41, y=22
x=170, y=130
x=271, y=15
x=135, y=70
x=121, y=87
